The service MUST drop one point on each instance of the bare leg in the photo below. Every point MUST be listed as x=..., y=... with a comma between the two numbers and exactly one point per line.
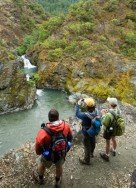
x=107, y=147
x=59, y=171
x=114, y=143
x=41, y=169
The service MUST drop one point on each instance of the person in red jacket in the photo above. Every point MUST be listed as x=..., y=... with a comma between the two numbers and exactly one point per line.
x=52, y=143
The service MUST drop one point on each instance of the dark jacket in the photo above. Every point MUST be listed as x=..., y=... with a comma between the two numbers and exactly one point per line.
x=86, y=118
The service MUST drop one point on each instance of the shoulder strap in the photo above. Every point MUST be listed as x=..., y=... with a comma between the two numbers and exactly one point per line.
x=114, y=115
x=48, y=131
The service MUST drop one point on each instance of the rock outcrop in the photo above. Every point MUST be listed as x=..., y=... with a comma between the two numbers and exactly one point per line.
x=15, y=92
x=17, y=18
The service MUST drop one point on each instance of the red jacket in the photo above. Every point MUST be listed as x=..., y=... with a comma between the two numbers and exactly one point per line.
x=44, y=139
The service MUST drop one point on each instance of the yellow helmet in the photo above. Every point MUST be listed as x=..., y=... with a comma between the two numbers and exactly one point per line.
x=89, y=102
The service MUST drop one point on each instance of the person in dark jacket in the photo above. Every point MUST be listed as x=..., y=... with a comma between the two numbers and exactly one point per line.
x=44, y=139
x=86, y=117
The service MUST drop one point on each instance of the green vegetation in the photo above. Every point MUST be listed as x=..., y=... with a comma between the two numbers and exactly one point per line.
x=129, y=47
x=55, y=7
x=27, y=22
x=86, y=44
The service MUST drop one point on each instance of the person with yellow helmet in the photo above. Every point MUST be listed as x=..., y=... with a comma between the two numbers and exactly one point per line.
x=87, y=116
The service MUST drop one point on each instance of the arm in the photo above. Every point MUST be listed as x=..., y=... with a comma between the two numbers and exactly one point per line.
x=79, y=114
x=38, y=148
x=70, y=136
x=41, y=140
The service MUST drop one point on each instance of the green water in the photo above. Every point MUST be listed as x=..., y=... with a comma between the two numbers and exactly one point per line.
x=18, y=128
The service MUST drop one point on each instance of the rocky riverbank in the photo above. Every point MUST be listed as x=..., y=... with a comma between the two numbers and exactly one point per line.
x=16, y=167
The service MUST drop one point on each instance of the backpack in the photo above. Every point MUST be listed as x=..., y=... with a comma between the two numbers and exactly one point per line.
x=118, y=124
x=96, y=127
x=58, y=146
x=95, y=124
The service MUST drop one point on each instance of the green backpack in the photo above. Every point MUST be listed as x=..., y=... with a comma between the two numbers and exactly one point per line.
x=118, y=124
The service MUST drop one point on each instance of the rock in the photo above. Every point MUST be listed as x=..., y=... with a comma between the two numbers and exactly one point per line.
x=15, y=92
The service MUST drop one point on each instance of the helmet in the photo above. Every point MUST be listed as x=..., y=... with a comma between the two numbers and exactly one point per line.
x=89, y=102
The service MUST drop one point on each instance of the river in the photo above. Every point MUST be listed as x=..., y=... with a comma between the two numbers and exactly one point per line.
x=21, y=127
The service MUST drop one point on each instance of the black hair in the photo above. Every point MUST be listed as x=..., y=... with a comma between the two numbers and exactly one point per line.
x=90, y=109
x=53, y=115
x=113, y=105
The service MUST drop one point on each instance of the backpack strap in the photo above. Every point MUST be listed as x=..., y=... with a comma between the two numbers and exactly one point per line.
x=51, y=133
x=48, y=131
x=114, y=118
x=114, y=115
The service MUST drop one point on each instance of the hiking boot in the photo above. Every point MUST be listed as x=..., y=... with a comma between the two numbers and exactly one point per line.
x=37, y=178
x=92, y=155
x=84, y=162
x=105, y=157
x=113, y=153
x=57, y=182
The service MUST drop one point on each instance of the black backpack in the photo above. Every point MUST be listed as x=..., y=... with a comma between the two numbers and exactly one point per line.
x=58, y=146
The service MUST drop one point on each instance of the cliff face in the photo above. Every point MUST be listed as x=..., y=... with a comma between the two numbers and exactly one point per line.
x=17, y=18
x=91, y=50
x=15, y=92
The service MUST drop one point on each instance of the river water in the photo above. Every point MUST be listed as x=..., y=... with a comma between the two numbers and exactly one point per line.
x=18, y=128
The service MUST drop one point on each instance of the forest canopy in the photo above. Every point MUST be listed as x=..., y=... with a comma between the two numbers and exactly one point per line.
x=56, y=7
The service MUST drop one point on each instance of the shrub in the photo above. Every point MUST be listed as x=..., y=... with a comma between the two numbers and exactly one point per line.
x=102, y=92
x=54, y=55
x=82, y=11
x=80, y=28
x=131, y=16
x=53, y=23
x=125, y=90
x=132, y=4
x=72, y=47
x=38, y=9
x=55, y=43
x=130, y=39
x=29, y=40
x=85, y=44
x=36, y=77
x=111, y=5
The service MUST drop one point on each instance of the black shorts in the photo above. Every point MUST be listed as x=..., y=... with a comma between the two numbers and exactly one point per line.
x=107, y=135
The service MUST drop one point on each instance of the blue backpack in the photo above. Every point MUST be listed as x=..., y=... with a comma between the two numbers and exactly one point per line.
x=96, y=127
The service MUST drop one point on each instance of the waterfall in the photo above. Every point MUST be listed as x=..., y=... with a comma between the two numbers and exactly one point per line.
x=27, y=77
x=39, y=92
x=27, y=63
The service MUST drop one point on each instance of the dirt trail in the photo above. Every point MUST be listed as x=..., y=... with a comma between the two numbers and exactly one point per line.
x=16, y=167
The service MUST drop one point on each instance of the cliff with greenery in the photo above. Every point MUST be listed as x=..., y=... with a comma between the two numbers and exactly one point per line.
x=17, y=18
x=90, y=50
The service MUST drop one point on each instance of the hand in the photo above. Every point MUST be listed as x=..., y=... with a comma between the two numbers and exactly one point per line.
x=104, y=111
x=80, y=102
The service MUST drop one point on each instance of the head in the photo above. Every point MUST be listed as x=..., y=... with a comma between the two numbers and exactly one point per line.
x=113, y=102
x=90, y=104
x=53, y=115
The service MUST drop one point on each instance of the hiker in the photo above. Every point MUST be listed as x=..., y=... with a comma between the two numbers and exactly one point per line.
x=52, y=143
x=109, y=130
x=87, y=117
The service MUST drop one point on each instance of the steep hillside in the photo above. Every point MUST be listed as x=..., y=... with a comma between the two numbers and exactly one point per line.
x=17, y=18
x=91, y=50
